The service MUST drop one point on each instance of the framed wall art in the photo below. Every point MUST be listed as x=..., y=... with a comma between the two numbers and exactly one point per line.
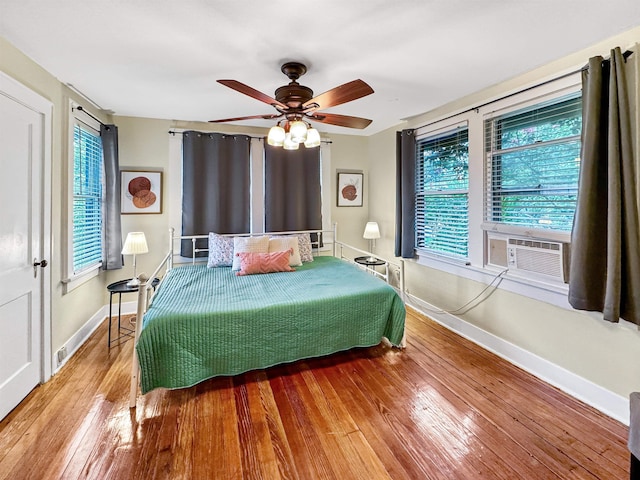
x=350, y=189
x=141, y=192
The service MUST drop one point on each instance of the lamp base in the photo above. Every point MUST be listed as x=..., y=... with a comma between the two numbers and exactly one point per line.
x=371, y=257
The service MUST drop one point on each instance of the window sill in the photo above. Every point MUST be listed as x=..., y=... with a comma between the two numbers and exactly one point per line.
x=554, y=293
x=75, y=281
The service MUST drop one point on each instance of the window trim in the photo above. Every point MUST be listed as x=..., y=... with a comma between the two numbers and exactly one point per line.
x=72, y=280
x=475, y=267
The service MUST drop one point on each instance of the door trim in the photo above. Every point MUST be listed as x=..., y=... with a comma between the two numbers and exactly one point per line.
x=20, y=93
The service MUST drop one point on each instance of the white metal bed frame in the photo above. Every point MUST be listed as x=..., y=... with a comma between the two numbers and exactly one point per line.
x=329, y=237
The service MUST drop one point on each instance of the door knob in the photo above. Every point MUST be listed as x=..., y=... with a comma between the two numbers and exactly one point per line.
x=41, y=263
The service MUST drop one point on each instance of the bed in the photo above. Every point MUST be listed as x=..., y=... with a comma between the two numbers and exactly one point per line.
x=204, y=322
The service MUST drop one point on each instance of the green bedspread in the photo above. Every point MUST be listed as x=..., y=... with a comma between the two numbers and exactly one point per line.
x=205, y=322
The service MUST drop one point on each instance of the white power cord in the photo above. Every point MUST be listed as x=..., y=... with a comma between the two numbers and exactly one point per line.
x=463, y=309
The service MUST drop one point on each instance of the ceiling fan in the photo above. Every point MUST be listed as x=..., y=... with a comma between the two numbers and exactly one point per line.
x=296, y=102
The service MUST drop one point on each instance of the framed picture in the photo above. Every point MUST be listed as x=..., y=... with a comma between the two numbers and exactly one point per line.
x=350, y=189
x=140, y=192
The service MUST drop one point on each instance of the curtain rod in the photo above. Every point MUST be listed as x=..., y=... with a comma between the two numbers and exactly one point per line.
x=173, y=132
x=79, y=107
x=625, y=55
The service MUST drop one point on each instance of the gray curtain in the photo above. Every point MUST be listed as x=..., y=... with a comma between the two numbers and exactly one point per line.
x=216, y=183
x=605, y=249
x=112, y=251
x=292, y=189
x=405, y=194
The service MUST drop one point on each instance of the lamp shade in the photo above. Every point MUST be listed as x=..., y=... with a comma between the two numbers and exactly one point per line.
x=276, y=136
x=298, y=131
x=289, y=143
x=313, y=138
x=135, y=244
x=371, y=231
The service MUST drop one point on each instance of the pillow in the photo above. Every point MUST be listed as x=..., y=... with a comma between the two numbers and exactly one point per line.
x=248, y=244
x=278, y=244
x=220, y=251
x=253, y=263
x=304, y=241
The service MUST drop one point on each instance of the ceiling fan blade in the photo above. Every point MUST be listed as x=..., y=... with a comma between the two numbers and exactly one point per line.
x=250, y=117
x=340, y=120
x=252, y=92
x=341, y=94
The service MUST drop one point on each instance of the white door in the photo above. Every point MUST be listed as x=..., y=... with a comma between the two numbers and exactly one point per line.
x=21, y=196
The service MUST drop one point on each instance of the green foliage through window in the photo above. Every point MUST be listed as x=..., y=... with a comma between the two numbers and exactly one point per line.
x=533, y=164
x=442, y=184
x=87, y=198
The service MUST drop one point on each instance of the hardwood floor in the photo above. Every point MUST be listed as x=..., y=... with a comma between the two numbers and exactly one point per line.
x=442, y=409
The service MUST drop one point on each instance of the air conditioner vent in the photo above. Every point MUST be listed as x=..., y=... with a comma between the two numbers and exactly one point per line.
x=529, y=257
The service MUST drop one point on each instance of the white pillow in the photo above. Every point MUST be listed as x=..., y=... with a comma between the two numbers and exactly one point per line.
x=248, y=244
x=279, y=244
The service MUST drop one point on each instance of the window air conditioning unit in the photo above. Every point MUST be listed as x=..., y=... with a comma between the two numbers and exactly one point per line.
x=541, y=259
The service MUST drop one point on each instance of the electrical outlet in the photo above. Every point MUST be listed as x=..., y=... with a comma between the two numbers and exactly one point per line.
x=62, y=354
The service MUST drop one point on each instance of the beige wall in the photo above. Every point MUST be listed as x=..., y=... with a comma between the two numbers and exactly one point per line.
x=603, y=353
x=349, y=153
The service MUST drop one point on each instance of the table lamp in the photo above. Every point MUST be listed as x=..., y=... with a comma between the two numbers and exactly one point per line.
x=135, y=244
x=371, y=232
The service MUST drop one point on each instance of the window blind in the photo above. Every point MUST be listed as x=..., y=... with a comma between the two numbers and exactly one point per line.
x=442, y=185
x=87, y=199
x=532, y=165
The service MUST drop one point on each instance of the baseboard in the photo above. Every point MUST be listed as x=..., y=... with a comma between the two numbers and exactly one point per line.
x=82, y=335
x=609, y=403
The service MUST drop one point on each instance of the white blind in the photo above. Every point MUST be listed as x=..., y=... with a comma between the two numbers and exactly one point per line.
x=532, y=165
x=442, y=184
x=87, y=198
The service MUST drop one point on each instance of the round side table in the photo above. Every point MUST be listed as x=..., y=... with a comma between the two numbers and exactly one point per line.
x=119, y=288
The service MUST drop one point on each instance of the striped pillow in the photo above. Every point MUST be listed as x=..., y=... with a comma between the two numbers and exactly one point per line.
x=253, y=263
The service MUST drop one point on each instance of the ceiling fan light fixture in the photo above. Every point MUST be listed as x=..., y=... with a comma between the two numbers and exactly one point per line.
x=289, y=143
x=298, y=130
x=313, y=138
x=276, y=136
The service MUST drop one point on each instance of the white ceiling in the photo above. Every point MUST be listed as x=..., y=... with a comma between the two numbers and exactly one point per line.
x=161, y=59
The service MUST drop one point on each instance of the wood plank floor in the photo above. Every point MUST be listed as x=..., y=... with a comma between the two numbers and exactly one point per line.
x=441, y=409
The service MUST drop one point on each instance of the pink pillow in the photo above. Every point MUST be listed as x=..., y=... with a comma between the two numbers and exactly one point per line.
x=251, y=263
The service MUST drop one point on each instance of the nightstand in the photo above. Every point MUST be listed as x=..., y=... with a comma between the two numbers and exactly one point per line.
x=372, y=264
x=119, y=288
x=369, y=261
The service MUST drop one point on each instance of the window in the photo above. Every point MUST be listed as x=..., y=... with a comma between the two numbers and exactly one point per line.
x=532, y=165
x=442, y=190
x=87, y=198
x=257, y=184
x=504, y=172
x=86, y=194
